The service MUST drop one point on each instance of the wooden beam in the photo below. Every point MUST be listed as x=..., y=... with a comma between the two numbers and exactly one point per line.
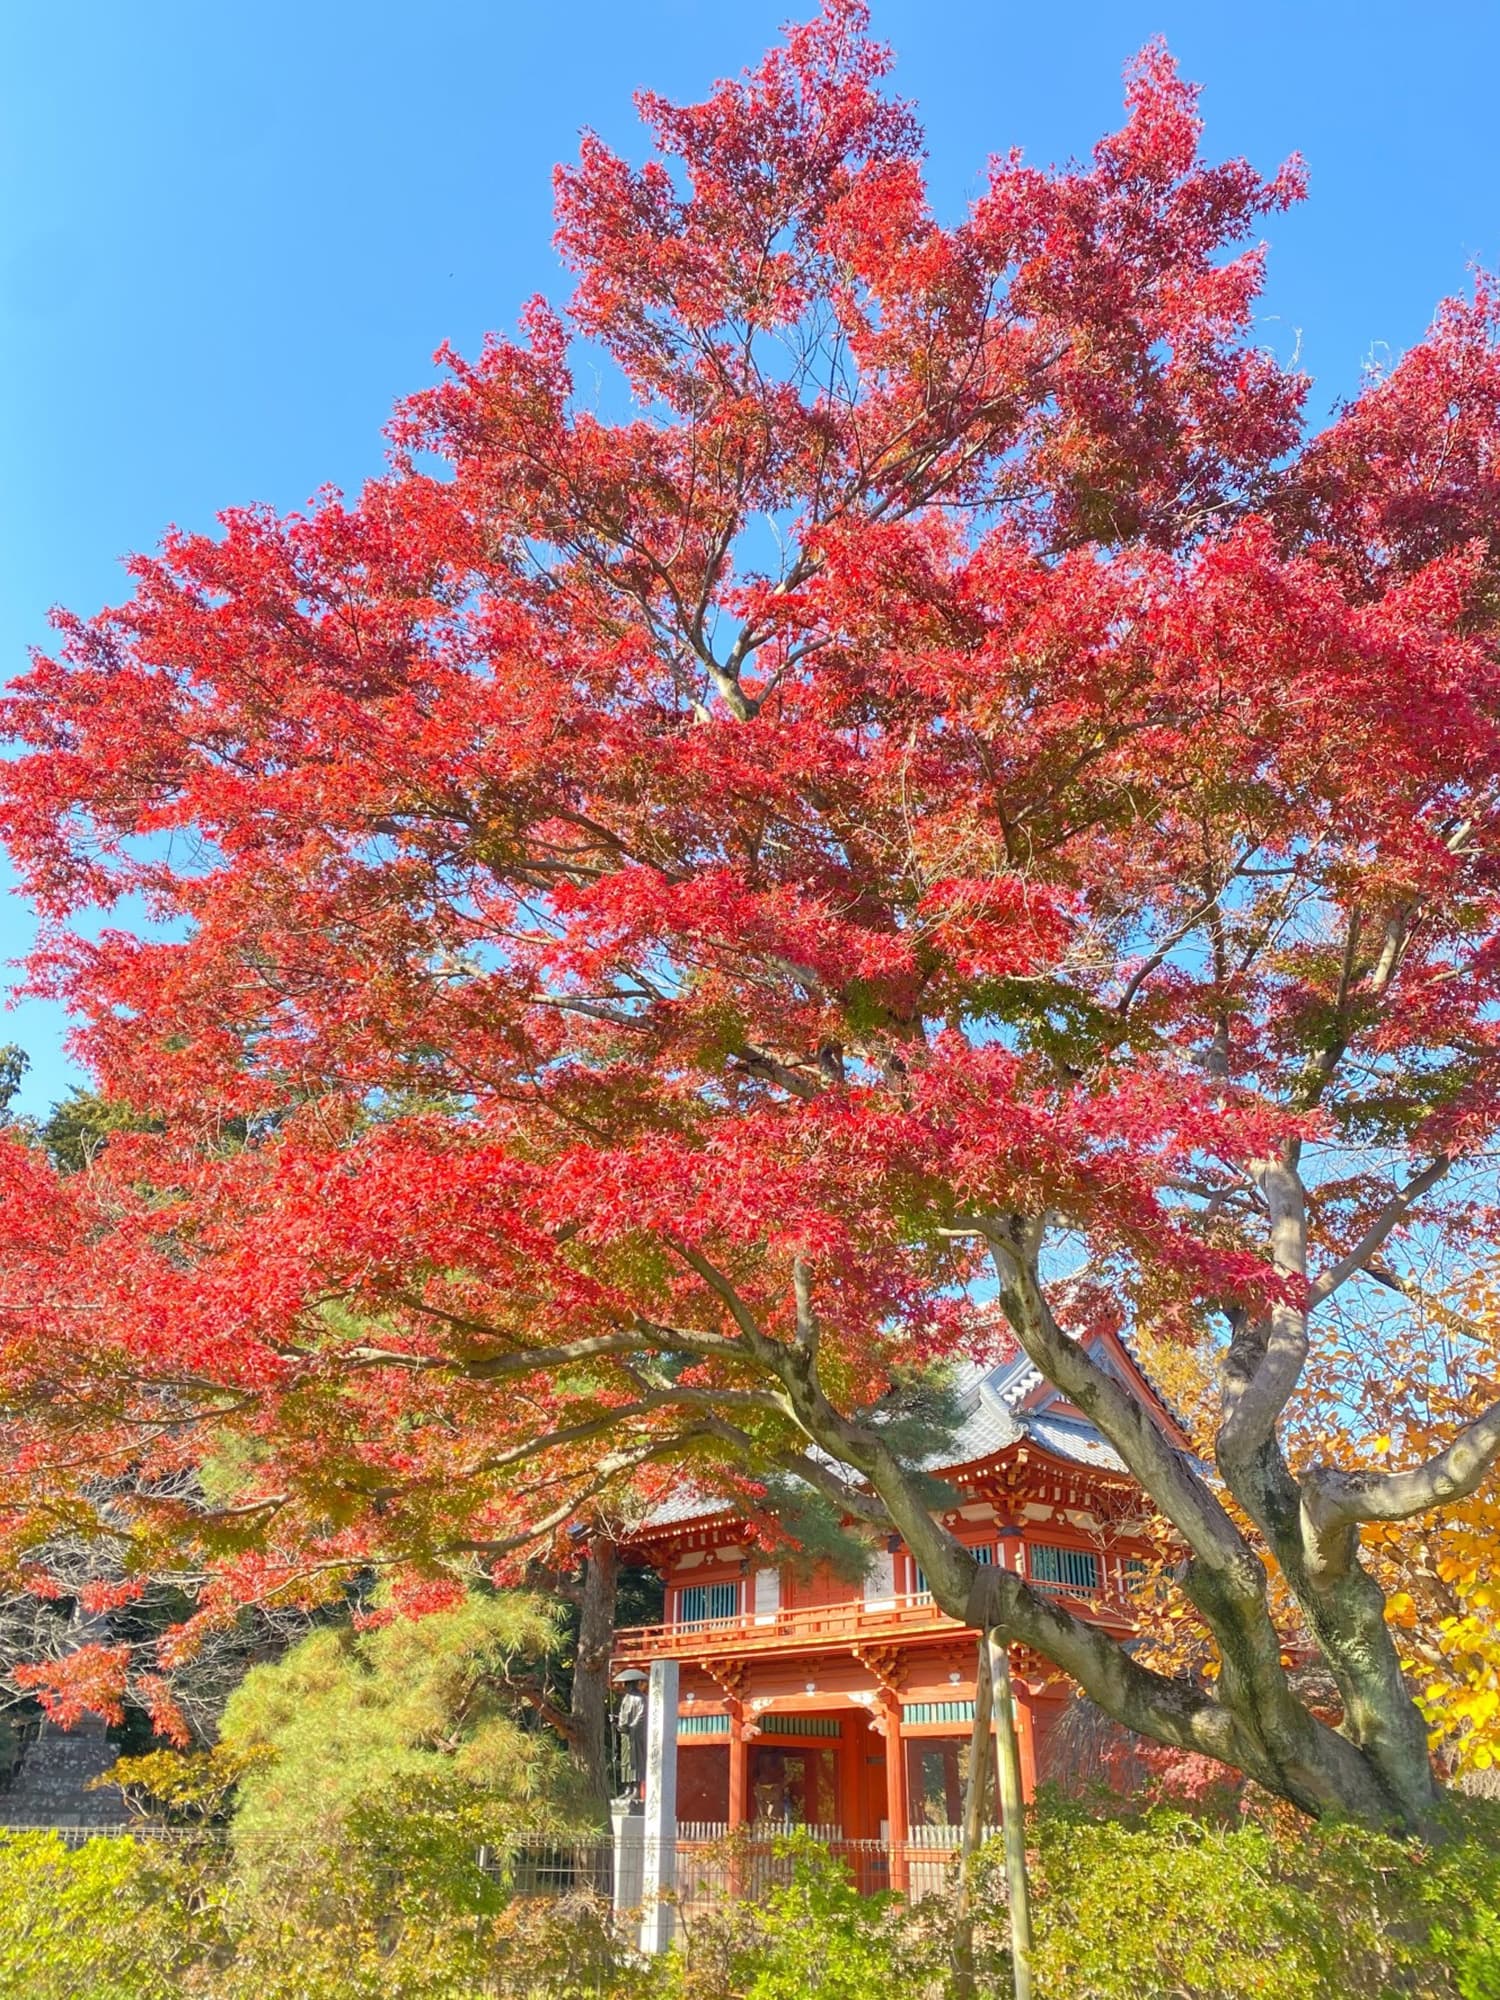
x=964, y=1983
x=1012, y=1811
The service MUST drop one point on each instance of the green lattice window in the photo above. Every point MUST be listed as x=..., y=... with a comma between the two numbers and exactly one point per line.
x=707, y=1603
x=1068, y=1569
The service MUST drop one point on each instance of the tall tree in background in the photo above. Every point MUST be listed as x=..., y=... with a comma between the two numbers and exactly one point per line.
x=952, y=788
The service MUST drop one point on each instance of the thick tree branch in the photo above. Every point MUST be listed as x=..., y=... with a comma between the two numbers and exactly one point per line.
x=1226, y=1581
x=491, y=1367
x=807, y=1318
x=859, y=1503
x=761, y=1346
x=1333, y=1498
x=772, y=1070
x=1181, y=1495
x=1265, y=1366
x=1345, y=1612
x=609, y=1469
x=1168, y=1710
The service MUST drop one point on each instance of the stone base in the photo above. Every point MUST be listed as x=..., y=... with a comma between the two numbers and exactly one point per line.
x=630, y=1857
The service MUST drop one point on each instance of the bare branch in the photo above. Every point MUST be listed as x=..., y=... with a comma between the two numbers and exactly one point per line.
x=610, y=1469
x=1175, y=937
x=1389, y=1217
x=516, y=1361
x=760, y=1344
x=858, y=1503
x=1441, y=1311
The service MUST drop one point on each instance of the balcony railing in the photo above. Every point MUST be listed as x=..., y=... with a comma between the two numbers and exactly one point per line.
x=812, y=1627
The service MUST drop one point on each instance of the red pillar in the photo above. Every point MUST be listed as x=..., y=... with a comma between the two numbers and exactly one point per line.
x=1026, y=1738
x=739, y=1768
x=898, y=1829
x=852, y=1740
x=739, y=1793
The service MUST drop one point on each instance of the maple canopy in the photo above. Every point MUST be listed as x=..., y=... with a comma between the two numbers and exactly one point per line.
x=948, y=816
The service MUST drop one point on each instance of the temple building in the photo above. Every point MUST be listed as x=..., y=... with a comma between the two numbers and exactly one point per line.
x=847, y=1707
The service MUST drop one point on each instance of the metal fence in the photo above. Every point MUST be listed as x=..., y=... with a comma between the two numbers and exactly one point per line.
x=700, y=1869
x=706, y=1867
x=75, y=1833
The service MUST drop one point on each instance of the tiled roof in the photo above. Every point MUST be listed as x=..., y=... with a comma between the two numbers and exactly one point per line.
x=988, y=1428
x=688, y=1503
x=988, y=1423
x=1066, y=1437
x=1014, y=1380
x=992, y=1420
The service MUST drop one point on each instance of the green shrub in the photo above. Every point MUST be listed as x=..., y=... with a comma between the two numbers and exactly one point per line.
x=812, y=1937
x=390, y=1905
x=1458, y=1887
x=819, y=1938
x=1171, y=1907
x=1166, y=1906
x=110, y=1920
x=347, y=1717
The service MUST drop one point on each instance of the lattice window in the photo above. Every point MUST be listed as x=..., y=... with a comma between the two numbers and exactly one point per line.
x=915, y=1712
x=1067, y=1569
x=708, y=1603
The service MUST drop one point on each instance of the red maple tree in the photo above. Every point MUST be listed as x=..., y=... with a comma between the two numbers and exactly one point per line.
x=657, y=911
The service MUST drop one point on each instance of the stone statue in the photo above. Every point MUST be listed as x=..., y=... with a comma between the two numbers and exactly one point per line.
x=630, y=1724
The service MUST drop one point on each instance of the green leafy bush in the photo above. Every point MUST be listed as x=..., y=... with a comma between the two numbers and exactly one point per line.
x=394, y=1905
x=1173, y=1907
x=813, y=1938
x=1165, y=1906
x=110, y=1919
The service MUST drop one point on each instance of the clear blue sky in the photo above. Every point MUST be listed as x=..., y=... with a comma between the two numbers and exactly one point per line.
x=232, y=233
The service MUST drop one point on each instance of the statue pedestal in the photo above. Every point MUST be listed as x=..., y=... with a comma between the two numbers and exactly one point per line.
x=629, y=1824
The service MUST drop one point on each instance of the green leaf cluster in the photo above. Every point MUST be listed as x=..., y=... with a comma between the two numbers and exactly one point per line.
x=110, y=1919
x=1173, y=1905
x=399, y=1902
x=346, y=1717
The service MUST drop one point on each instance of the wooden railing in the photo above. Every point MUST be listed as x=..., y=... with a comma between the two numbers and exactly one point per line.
x=816, y=1626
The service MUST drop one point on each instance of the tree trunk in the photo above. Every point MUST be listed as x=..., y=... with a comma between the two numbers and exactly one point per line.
x=590, y=1703
x=1252, y=1719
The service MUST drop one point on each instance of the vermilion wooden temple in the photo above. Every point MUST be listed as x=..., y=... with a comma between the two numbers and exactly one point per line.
x=847, y=1708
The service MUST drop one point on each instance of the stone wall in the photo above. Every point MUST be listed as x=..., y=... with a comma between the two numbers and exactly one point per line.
x=50, y=1787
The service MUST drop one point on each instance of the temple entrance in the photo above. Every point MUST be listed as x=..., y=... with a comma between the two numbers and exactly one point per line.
x=937, y=1780
x=703, y=1783
x=794, y=1785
